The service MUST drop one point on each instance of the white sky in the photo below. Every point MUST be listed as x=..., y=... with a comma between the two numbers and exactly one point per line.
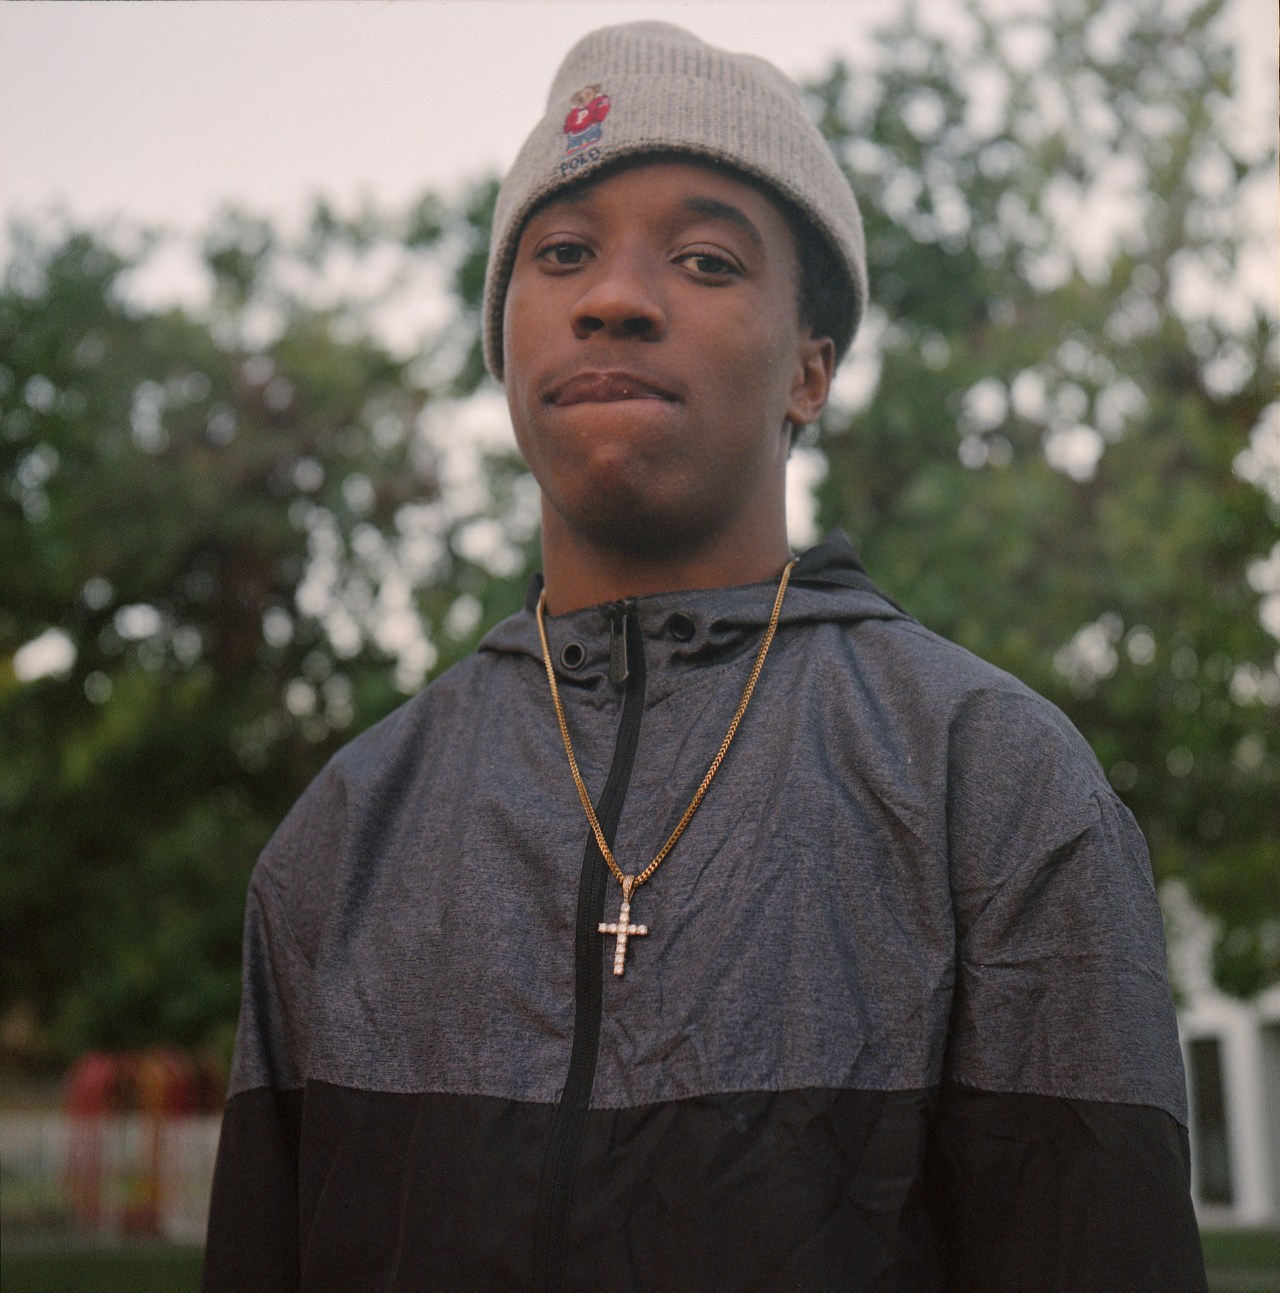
x=163, y=112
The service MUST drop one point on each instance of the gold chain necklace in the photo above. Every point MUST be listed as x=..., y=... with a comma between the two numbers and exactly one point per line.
x=622, y=928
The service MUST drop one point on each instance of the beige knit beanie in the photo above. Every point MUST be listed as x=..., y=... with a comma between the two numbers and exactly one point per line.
x=651, y=88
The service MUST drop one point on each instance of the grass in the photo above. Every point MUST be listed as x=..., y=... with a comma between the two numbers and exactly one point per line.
x=1243, y=1250
x=1240, y=1261
x=155, y=1268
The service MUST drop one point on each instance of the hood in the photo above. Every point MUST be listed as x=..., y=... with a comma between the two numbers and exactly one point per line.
x=828, y=585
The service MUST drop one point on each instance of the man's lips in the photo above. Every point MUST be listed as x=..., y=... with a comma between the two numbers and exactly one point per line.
x=606, y=388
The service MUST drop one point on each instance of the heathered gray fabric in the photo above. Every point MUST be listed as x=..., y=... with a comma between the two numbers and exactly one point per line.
x=672, y=94
x=910, y=867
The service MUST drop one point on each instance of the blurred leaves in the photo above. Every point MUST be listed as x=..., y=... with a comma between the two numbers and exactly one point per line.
x=1052, y=463
x=234, y=534
x=230, y=527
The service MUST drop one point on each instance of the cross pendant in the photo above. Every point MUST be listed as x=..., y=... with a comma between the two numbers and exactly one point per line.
x=623, y=929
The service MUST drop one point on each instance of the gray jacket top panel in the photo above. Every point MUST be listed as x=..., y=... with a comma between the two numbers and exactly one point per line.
x=910, y=867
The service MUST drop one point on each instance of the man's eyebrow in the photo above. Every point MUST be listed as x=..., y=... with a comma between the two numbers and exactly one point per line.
x=704, y=207
x=715, y=209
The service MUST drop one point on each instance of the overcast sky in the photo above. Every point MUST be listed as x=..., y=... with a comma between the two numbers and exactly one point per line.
x=163, y=112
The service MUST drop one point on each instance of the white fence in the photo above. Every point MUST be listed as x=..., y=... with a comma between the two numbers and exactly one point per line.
x=109, y=1176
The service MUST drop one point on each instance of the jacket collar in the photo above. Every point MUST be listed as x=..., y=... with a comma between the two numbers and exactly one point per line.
x=828, y=584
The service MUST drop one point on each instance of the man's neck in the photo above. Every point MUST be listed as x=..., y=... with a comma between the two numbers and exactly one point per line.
x=579, y=575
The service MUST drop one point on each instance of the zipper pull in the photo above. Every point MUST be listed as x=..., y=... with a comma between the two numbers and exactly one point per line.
x=616, y=614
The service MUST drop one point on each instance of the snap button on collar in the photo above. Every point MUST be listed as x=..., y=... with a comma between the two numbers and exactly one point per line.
x=681, y=627
x=572, y=654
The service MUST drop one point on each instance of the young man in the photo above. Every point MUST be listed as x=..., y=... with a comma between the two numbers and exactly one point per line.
x=716, y=926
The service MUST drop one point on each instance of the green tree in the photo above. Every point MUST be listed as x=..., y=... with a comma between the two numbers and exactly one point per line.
x=1063, y=464
x=232, y=536
x=217, y=532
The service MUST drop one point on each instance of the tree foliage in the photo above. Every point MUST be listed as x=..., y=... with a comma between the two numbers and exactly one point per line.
x=232, y=536
x=1062, y=463
x=219, y=533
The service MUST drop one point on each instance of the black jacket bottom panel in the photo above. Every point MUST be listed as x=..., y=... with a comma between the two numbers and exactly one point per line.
x=811, y=1190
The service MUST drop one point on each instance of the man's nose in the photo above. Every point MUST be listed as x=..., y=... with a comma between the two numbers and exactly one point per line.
x=621, y=299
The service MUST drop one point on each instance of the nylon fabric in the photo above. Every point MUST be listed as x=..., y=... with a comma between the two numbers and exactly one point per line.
x=910, y=876
x=829, y=1191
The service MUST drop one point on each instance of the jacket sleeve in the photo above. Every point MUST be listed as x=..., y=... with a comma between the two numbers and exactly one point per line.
x=1058, y=1153
x=253, y=1241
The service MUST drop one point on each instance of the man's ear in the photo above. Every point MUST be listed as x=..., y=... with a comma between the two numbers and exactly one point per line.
x=812, y=381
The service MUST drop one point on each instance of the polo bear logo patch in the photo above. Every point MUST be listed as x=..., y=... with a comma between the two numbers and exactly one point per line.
x=585, y=123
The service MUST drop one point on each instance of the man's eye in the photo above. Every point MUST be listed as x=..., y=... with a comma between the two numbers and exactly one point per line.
x=563, y=253
x=708, y=263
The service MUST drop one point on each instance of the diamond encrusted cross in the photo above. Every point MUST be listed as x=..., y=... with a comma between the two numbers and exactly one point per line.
x=623, y=929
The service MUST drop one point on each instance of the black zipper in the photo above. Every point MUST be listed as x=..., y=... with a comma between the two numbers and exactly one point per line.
x=569, y=1121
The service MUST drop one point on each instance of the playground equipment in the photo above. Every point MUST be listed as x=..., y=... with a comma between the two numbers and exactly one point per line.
x=141, y=1142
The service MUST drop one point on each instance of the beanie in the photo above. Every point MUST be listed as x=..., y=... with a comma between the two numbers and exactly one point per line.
x=649, y=89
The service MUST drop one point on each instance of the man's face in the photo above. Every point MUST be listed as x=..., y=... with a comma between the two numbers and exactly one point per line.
x=653, y=357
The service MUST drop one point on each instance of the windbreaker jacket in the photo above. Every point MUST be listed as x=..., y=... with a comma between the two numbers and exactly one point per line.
x=900, y=1021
